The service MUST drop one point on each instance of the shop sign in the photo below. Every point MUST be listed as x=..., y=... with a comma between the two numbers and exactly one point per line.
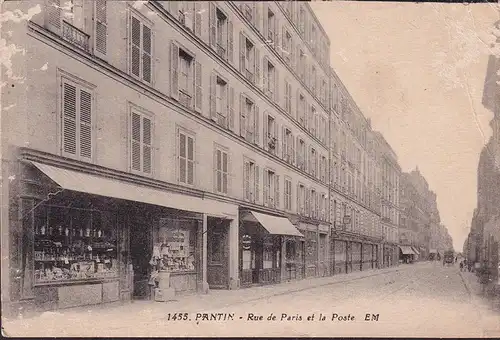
x=246, y=242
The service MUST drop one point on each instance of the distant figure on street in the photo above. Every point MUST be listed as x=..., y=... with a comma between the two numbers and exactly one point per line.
x=461, y=266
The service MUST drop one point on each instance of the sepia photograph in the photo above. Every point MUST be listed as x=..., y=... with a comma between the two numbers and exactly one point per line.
x=250, y=168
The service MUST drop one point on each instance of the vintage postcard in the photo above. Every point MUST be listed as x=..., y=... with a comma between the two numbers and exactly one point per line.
x=232, y=168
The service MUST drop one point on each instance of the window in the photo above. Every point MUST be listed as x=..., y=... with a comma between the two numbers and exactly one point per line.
x=313, y=161
x=301, y=153
x=302, y=65
x=313, y=123
x=302, y=21
x=141, y=148
x=186, y=158
x=313, y=80
x=302, y=110
x=287, y=45
x=221, y=160
x=248, y=12
x=185, y=13
x=288, y=194
x=287, y=145
x=301, y=196
x=271, y=189
x=77, y=131
x=271, y=134
x=250, y=119
x=140, y=49
x=323, y=169
x=100, y=27
x=221, y=101
x=251, y=181
x=249, y=60
x=271, y=25
x=221, y=33
x=269, y=79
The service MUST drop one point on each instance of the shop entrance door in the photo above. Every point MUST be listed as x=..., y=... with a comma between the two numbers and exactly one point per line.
x=140, y=253
x=218, y=253
x=323, y=264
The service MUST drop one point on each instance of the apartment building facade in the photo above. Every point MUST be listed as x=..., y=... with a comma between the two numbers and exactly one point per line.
x=355, y=185
x=181, y=137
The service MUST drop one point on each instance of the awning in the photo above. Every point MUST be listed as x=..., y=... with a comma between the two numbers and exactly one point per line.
x=406, y=250
x=276, y=225
x=102, y=186
x=415, y=250
x=432, y=251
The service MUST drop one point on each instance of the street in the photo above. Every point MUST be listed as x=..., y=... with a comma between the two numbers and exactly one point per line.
x=422, y=299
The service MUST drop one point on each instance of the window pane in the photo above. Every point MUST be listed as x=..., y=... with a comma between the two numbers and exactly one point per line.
x=190, y=148
x=182, y=145
x=219, y=165
x=224, y=162
x=224, y=183
x=219, y=181
x=190, y=175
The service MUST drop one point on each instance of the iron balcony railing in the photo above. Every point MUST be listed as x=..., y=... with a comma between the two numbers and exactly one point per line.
x=75, y=36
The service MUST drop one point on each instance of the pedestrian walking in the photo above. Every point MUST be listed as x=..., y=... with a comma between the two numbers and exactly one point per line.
x=461, y=266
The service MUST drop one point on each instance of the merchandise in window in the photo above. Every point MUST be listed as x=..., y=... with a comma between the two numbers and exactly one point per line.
x=73, y=244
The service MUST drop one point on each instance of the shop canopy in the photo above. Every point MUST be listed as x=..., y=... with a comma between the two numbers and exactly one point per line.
x=276, y=225
x=407, y=250
x=433, y=251
x=415, y=250
x=102, y=186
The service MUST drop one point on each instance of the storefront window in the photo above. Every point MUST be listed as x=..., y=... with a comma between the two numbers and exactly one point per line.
x=311, y=247
x=268, y=256
x=176, y=246
x=340, y=251
x=74, y=244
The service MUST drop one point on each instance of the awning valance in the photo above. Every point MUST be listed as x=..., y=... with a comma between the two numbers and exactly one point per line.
x=276, y=225
x=432, y=251
x=415, y=250
x=406, y=250
x=108, y=187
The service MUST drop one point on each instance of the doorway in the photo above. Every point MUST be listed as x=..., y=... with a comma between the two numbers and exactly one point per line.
x=140, y=252
x=218, y=253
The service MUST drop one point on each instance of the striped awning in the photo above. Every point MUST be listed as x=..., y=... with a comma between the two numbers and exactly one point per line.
x=407, y=250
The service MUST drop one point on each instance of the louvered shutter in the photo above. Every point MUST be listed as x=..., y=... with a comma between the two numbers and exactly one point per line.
x=246, y=180
x=276, y=135
x=276, y=33
x=308, y=202
x=212, y=16
x=297, y=108
x=146, y=145
x=101, y=27
x=284, y=148
x=265, y=80
x=229, y=174
x=256, y=128
x=198, y=87
x=242, y=117
x=257, y=15
x=174, y=70
x=85, y=124
x=265, y=191
x=136, y=47
x=216, y=163
x=277, y=191
x=242, y=52
x=283, y=42
x=292, y=152
x=276, y=85
x=213, y=96
x=292, y=54
x=69, y=118
x=54, y=14
x=230, y=108
x=136, y=142
x=265, y=136
x=286, y=98
x=197, y=18
x=257, y=62
x=265, y=20
x=298, y=210
x=298, y=158
x=230, y=37
x=146, y=54
x=257, y=184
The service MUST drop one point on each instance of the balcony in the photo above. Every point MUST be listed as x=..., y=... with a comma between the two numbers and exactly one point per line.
x=75, y=36
x=249, y=75
x=185, y=99
x=221, y=51
x=222, y=120
x=248, y=13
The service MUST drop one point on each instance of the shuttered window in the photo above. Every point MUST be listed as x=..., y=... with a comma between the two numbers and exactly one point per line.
x=221, y=170
x=77, y=108
x=140, y=140
x=140, y=49
x=288, y=194
x=101, y=26
x=186, y=158
x=250, y=181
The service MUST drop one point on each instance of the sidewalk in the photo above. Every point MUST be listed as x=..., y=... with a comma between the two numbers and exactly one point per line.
x=487, y=307
x=117, y=314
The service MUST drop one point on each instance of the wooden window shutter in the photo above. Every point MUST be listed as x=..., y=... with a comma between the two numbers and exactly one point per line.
x=246, y=180
x=257, y=66
x=265, y=191
x=213, y=96
x=297, y=108
x=197, y=18
x=283, y=42
x=217, y=158
x=212, y=17
x=265, y=137
x=256, y=117
x=287, y=97
x=243, y=122
x=146, y=54
x=284, y=149
x=69, y=118
x=265, y=80
x=308, y=202
x=298, y=210
x=230, y=108
x=136, y=142
x=53, y=15
x=276, y=135
x=265, y=20
x=242, y=52
x=256, y=197
x=101, y=27
x=229, y=174
x=174, y=70
x=276, y=85
x=198, y=87
x=292, y=152
x=277, y=191
x=292, y=54
x=298, y=158
x=85, y=124
x=276, y=33
x=230, y=43
x=135, y=47
x=146, y=145
x=257, y=15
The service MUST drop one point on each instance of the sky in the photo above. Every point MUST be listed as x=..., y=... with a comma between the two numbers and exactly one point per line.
x=417, y=70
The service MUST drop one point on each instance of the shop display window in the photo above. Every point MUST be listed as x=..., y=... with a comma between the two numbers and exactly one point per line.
x=268, y=256
x=73, y=244
x=311, y=247
x=175, y=248
x=340, y=251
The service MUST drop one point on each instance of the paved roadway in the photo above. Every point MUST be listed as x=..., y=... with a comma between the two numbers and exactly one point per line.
x=421, y=300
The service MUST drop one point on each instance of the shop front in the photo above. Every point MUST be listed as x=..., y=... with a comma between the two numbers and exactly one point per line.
x=340, y=257
x=407, y=254
x=323, y=254
x=416, y=252
x=270, y=249
x=367, y=260
x=84, y=239
x=356, y=256
x=311, y=248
